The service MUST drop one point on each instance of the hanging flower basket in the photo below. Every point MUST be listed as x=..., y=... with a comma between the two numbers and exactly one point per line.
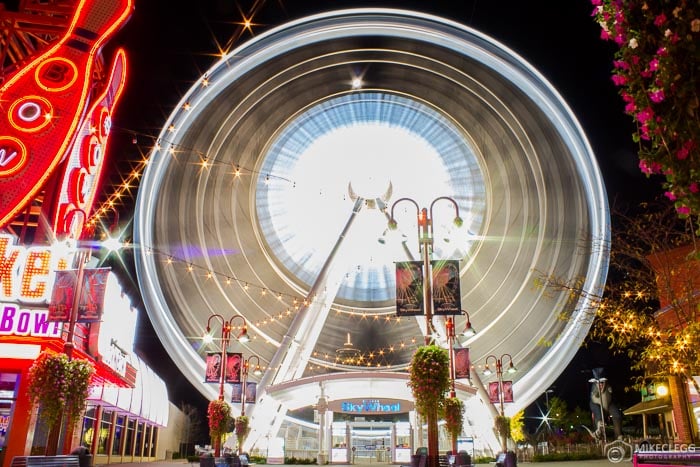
x=60, y=386
x=502, y=426
x=219, y=414
x=429, y=378
x=242, y=429
x=454, y=416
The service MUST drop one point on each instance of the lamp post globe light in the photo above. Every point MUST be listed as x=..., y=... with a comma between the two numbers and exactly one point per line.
x=498, y=363
x=424, y=220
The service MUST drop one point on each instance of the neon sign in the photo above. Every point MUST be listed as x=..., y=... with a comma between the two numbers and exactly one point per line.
x=17, y=322
x=86, y=159
x=26, y=274
x=48, y=101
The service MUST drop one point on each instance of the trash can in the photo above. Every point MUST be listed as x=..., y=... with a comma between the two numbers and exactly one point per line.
x=84, y=456
x=463, y=459
x=207, y=460
x=511, y=459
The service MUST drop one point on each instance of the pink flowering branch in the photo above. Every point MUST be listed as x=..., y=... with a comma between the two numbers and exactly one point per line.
x=656, y=68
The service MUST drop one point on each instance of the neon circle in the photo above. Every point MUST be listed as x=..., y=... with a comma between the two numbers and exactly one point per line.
x=13, y=155
x=91, y=153
x=30, y=114
x=56, y=74
x=104, y=123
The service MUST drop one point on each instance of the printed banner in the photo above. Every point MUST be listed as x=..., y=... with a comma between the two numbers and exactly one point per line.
x=462, y=363
x=493, y=393
x=507, y=391
x=233, y=367
x=447, y=299
x=251, y=392
x=61, y=301
x=409, y=288
x=92, y=295
x=236, y=392
x=213, y=370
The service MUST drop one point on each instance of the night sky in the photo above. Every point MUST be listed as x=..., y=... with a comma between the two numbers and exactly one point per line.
x=170, y=43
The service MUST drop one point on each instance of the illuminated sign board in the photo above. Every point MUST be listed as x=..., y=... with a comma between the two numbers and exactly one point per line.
x=48, y=100
x=27, y=273
x=86, y=159
x=15, y=321
x=367, y=406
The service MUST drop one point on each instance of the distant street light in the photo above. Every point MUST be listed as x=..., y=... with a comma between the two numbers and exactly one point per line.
x=499, y=374
x=226, y=327
x=256, y=371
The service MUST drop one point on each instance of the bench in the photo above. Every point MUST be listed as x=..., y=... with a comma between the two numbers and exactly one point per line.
x=45, y=461
x=665, y=458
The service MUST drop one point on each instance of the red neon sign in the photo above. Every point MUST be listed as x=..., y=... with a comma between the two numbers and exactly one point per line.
x=86, y=158
x=48, y=101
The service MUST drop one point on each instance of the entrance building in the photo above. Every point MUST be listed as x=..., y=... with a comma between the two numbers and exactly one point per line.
x=371, y=430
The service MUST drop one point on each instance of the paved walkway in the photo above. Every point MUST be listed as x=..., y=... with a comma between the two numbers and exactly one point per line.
x=587, y=463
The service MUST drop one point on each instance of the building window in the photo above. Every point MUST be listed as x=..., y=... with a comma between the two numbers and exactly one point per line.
x=129, y=439
x=147, y=440
x=105, y=425
x=138, y=452
x=118, y=436
x=155, y=439
x=89, y=426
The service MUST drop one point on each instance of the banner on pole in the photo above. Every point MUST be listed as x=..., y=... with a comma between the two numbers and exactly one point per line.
x=212, y=373
x=92, y=295
x=494, y=396
x=409, y=288
x=233, y=367
x=447, y=299
x=61, y=302
x=462, y=363
x=251, y=392
x=507, y=391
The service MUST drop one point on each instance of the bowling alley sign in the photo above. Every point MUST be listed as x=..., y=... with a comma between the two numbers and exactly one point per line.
x=52, y=117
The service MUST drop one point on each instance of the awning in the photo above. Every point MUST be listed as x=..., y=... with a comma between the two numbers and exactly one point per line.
x=652, y=406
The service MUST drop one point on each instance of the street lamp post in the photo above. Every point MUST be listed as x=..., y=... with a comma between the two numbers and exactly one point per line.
x=256, y=371
x=499, y=375
x=425, y=239
x=79, y=260
x=466, y=333
x=226, y=327
x=244, y=381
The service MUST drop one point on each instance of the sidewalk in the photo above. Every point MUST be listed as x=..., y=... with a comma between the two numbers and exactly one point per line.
x=586, y=463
